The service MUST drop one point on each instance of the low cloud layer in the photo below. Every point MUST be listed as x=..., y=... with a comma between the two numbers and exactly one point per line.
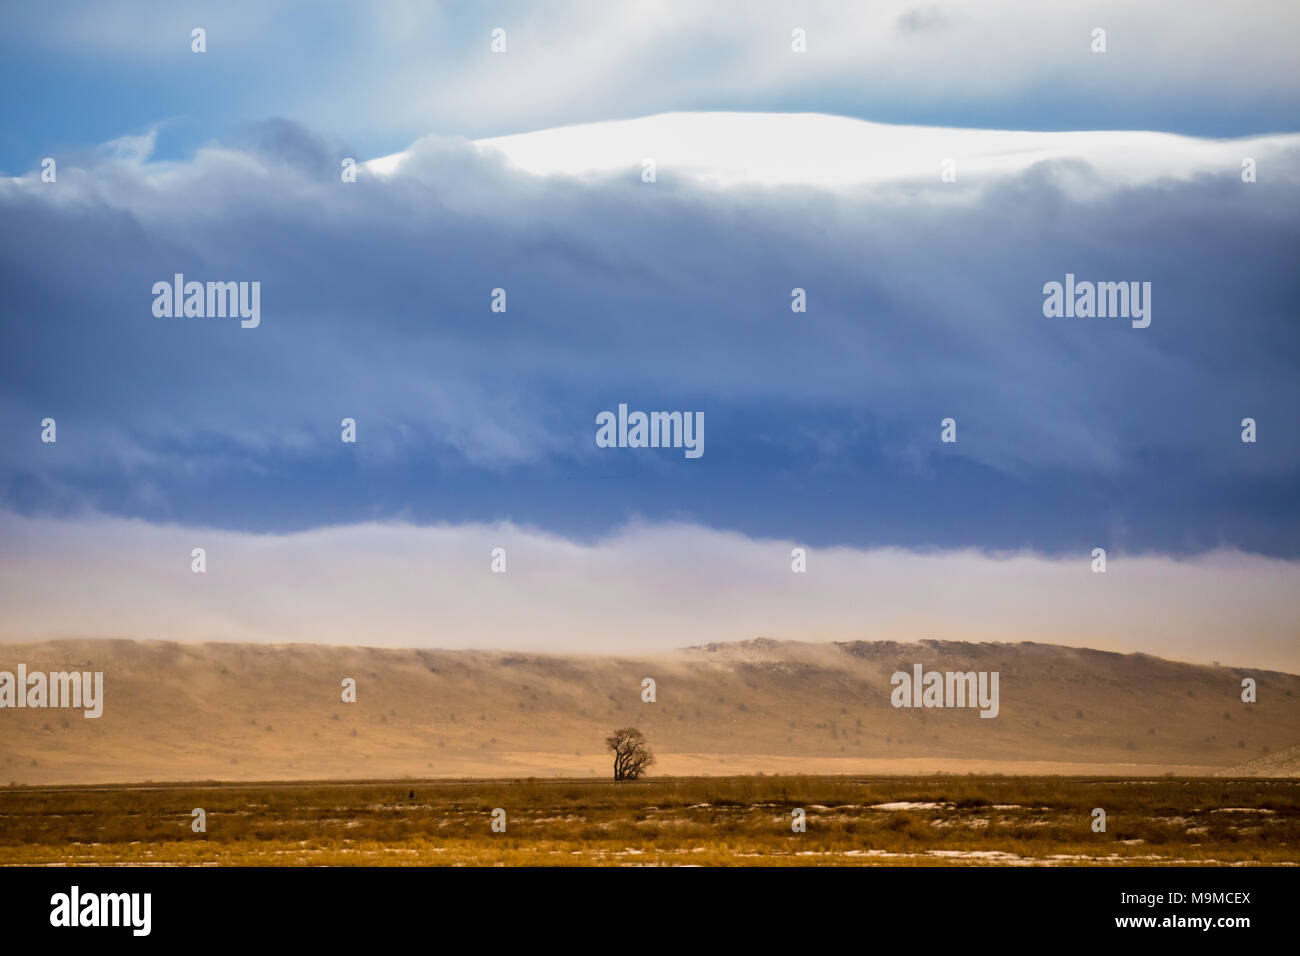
x=646, y=588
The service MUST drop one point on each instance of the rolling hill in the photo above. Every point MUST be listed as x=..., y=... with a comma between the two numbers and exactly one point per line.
x=237, y=712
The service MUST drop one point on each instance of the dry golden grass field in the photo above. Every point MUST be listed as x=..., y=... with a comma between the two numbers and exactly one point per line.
x=936, y=820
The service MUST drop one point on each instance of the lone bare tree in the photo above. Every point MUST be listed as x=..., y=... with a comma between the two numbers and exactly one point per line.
x=631, y=753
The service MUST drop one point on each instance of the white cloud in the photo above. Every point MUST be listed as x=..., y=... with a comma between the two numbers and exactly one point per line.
x=813, y=149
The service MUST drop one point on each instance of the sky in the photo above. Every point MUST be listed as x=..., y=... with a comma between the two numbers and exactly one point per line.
x=525, y=170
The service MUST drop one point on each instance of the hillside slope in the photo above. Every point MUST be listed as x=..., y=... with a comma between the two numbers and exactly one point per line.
x=1284, y=763
x=256, y=712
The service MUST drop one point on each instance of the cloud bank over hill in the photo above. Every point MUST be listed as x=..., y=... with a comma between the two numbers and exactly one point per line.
x=645, y=589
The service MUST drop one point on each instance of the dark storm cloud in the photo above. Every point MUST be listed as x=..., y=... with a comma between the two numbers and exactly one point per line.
x=822, y=426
